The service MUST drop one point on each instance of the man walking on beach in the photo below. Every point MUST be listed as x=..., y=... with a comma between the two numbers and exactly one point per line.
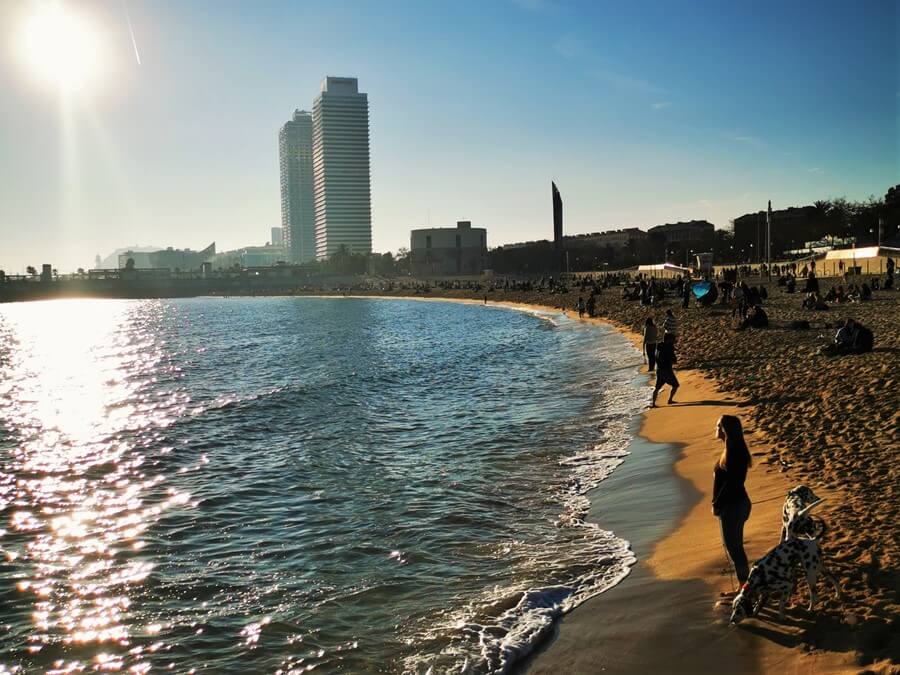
x=665, y=368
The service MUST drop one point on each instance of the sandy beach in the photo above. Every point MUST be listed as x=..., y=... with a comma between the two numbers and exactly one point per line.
x=830, y=423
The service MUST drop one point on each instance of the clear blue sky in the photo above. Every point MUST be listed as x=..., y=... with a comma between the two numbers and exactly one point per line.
x=643, y=112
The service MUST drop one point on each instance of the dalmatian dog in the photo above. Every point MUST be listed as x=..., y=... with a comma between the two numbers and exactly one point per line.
x=773, y=574
x=795, y=519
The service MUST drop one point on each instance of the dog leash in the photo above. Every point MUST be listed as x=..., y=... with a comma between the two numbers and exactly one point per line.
x=728, y=565
x=770, y=499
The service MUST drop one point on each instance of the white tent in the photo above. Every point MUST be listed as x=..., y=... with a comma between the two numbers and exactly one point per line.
x=866, y=260
x=663, y=271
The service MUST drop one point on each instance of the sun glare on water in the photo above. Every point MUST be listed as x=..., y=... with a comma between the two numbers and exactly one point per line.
x=62, y=47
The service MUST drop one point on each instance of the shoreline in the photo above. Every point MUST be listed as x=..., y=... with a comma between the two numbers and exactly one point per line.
x=662, y=614
x=669, y=599
x=665, y=614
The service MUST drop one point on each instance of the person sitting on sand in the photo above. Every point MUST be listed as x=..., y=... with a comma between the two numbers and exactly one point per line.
x=756, y=318
x=865, y=293
x=665, y=368
x=843, y=340
x=651, y=337
x=730, y=502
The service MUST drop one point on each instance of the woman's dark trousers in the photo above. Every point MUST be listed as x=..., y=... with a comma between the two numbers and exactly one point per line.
x=732, y=518
x=651, y=356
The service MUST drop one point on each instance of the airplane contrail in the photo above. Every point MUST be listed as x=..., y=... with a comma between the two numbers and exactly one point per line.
x=137, y=55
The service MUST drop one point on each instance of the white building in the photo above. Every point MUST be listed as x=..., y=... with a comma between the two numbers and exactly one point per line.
x=277, y=236
x=295, y=151
x=340, y=129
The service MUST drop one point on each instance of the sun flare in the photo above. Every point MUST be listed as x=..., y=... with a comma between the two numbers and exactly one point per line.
x=61, y=47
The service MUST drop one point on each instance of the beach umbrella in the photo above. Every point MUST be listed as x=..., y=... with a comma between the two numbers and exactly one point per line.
x=701, y=288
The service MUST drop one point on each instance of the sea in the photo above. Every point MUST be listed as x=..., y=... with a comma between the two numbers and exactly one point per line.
x=287, y=485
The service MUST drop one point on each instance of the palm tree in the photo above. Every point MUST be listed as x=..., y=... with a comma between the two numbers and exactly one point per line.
x=31, y=271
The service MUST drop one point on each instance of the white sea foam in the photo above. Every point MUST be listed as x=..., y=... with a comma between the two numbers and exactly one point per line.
x=492, y=633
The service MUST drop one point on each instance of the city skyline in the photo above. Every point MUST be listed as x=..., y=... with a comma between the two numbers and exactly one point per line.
x=640, y=117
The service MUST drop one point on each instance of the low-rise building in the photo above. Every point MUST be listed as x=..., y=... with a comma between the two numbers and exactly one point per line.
x=790, y=228
x=262, y=256
x=448, y=251
x=168, y=258
x=250, y=256
x=615, y=238
x=690, y=233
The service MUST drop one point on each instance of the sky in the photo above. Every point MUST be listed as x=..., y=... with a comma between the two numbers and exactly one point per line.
x=642, y=112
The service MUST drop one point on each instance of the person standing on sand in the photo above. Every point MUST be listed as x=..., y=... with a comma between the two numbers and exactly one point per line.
x=651, y=336
x=670, y=325
x=731, y=503
x=665, y=368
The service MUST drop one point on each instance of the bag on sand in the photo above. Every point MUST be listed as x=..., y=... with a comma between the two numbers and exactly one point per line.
x=798, y=325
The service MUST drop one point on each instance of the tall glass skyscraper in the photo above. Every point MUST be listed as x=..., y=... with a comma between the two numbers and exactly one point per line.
x=340, y=132
x=298, y=221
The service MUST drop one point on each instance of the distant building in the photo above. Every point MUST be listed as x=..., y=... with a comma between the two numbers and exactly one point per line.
x=295, y=154
x=250, y=256
x=791, y=227
x=615, y=238
x=261, y=256
x=448, y=251
x=277, y=236
x=690, y=232
x=340, y=131
x=169, y=258
x=111, y=261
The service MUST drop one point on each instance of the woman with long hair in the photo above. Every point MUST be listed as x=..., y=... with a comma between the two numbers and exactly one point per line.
x=730, y=500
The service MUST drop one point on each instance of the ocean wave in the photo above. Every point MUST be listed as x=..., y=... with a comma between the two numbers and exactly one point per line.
x=493, y=633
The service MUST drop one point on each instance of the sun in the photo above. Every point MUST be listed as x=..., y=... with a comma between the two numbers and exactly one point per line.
x=61, y=47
